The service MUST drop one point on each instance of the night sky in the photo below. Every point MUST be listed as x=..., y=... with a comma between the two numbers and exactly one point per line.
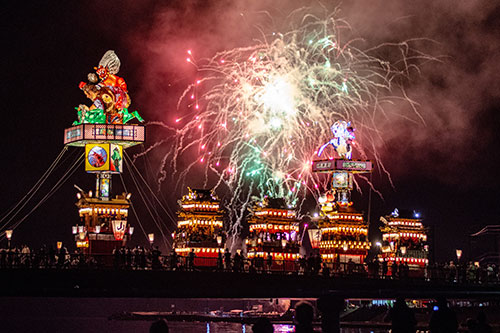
x=444, y=166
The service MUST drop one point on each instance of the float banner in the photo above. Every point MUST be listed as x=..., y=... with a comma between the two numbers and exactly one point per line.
x=356, y=166
x=119, y=227
x=103, y=157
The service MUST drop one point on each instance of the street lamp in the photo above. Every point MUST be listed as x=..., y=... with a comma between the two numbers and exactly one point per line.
x=130, y=230
x=459, y=254
x=403, y=250
x=97, y=229
x=8, y=234
x=219, y=240
x=74, y=229
x=151, y=238
x=283, y=243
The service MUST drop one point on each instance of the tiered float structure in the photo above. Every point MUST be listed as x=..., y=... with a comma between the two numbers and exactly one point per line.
x=200, y=226
x=404, y=239
x=343, y=232
x=102, y=130
x=273, y=231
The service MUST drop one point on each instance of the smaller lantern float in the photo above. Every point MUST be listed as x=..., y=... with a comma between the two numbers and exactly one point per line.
x=273, y=241
x=200, y=228
x=404, y=240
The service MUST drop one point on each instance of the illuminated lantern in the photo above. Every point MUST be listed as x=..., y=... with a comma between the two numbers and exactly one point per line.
x=119, y=227
x=314, y=237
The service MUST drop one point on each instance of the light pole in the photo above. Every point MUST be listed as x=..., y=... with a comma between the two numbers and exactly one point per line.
x=8, y=234
x=459, y=255
x=151, y=238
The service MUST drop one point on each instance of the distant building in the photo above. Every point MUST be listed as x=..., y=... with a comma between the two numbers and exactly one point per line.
x=485, y=245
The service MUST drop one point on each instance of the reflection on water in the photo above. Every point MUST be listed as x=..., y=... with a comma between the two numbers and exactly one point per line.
x=99, y=325
x=88, y=315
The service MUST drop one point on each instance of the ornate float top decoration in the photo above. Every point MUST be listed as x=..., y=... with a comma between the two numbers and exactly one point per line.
x=343, y=137
x=108, y=93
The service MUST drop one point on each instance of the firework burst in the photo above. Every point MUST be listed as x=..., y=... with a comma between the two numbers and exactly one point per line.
x=260, y=113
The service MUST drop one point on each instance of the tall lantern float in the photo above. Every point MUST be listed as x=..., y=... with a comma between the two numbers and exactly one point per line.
x=104, y=129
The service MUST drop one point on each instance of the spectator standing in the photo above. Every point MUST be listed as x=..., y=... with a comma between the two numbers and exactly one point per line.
x=191, y=257
x=227, y=259
x=304, y=315
x=401, y=317
x=443, y=319
x=269, y=260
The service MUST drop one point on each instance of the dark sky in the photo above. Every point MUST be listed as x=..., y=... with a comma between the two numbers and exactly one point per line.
x=444, y=166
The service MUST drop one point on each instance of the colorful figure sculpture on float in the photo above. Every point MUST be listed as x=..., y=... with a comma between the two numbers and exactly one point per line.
x=343, y=137
x=108, y=93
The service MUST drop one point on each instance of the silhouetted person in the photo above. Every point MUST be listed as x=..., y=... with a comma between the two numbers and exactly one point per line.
x=227, y=259
x=471, y=325
x=263, y=325
x=443, y=319
x=269, y=261
x=385, y=269
x=174, y=260
x=304, y=315
x=482, y=325
x=394, y=270
x=220, y=261
x=155, y=258
x=330, y=307
x=159, y=326
x=376, y=268
x=237, y=262
x=351, y=266
x=191, y=257
x=401, y=317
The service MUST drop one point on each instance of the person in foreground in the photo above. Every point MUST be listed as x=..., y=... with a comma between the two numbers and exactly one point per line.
x=263, y=325
x=304, y=315
x=401, y=317
x=159, y=326
x=443, y=319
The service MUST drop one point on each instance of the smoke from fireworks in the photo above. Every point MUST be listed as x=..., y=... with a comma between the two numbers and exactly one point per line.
x=260, y=113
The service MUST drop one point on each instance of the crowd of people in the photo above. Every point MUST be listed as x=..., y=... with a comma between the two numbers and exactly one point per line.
x=152, y=258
